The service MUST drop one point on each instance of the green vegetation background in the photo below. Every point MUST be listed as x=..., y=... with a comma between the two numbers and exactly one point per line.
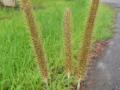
x=18, y=68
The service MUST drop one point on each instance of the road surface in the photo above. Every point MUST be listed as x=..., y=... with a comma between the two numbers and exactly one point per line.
x=106, y=73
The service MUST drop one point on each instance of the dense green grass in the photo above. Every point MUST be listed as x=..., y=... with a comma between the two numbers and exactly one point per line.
x=18, y=68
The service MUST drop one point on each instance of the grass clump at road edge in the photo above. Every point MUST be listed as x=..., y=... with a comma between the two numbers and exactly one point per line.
x=18, y=70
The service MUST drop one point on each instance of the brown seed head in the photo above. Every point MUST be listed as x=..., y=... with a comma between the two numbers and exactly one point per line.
x=67, y=42
x=38, y=47
x=84, y=55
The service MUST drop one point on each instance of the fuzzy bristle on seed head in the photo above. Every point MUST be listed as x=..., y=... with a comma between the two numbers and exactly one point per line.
x=36, y=40
x=67, y=42
x=84, y=55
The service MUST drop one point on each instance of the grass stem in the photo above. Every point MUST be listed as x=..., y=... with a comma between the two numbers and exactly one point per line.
x=78, y=85
x=47, y=86
x=68, y=82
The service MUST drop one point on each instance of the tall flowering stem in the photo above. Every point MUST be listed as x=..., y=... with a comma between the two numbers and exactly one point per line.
x=67, y=42
x=84, y=56
x=38, y=47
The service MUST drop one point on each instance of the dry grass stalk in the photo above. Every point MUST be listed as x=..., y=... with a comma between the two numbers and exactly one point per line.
x=67, y=41
x=28, y=12
x=84, y=56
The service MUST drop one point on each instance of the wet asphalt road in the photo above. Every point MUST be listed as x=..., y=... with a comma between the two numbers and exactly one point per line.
x=106, y=73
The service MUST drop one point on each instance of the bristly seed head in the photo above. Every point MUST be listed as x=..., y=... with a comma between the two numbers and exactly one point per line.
x=37, y=44
x=84, y=56
x=67, y=42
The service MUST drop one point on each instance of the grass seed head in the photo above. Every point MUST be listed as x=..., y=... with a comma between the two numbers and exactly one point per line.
x=37, y=44
x=84, y=55
x=67, y=42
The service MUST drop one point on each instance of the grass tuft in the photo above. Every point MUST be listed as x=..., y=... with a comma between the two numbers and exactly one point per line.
x=18, y=68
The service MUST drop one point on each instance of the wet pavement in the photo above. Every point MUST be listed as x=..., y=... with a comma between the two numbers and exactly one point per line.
x=105, y=75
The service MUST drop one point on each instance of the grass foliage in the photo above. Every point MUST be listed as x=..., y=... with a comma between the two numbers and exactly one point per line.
x=18, y=69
